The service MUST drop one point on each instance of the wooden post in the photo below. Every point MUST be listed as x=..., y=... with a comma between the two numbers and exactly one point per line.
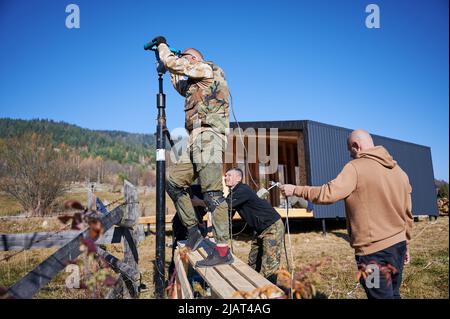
x=281, y=179
x=297, y=176
x=91, y=204
x=263, y=183
x=130, y=234
x=243, y=167
x=301, y=157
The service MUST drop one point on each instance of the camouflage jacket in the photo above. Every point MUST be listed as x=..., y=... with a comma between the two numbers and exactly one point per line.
x=205, y=89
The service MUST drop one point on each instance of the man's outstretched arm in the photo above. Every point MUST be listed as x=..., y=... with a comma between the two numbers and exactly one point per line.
x=339, y=188
x=182, y=66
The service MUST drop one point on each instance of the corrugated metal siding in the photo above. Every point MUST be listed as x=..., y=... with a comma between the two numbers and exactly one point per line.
x=328, y=153
x=327, y=149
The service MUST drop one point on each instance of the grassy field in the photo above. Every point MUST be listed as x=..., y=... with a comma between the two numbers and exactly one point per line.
x=147, y=204
x=426, y=277
x=9, y=206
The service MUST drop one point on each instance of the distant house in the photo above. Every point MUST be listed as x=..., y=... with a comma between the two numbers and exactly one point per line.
x=314, y=153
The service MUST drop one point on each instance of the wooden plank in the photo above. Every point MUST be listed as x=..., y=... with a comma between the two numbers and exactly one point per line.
x=119, y=266
x=186, y=290
x=255, y=278
x=230, y=275
x=152, y=219
x=39, y=240
x=218, y=285
x=49, y=268
x=251, y=275
x=9, y=242
x=295, y=212
x=226, y=280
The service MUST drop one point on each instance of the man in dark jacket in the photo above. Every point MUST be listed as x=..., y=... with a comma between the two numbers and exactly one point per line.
x=265, y=253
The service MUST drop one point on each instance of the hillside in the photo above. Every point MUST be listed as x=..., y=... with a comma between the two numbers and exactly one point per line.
x=118, y=146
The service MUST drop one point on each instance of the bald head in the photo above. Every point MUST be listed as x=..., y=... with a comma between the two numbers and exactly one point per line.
x=359, y=140
x=193, y=54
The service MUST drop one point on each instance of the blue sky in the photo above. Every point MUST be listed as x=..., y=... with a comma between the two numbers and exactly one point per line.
x=284, y=60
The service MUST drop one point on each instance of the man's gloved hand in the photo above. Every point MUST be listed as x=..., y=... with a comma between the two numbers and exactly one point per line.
x=160, y=68
x=158, y=40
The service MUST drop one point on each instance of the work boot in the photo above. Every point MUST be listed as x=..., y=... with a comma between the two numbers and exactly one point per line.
x=194, y=238
x=215, y=259
x=272, y=278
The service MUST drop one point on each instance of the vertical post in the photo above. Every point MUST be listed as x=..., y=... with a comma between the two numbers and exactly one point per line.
x=324, y=227
x=160, y=191
x=297, y=175
x=130, y=232
x=91, y=202
x=263, y=179
x=282, y=180
x=243, y=168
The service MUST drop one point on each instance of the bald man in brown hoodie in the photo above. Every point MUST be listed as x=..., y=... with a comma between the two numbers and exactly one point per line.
x=377, y=197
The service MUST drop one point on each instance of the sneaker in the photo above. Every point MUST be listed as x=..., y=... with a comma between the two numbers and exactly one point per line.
x=194, y=238
x=214, y=259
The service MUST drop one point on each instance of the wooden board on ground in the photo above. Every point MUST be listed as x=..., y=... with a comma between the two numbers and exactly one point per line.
x=182, y=280
x=236, y=280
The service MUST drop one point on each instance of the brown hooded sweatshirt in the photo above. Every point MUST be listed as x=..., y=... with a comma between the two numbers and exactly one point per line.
x=377, y=197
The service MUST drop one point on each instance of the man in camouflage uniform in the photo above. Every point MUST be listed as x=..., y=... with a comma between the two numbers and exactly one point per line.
x=265, y=253
x=207, y=121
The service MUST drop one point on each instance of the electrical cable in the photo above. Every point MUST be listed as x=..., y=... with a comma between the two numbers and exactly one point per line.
x=242, y=141
x=291, y=270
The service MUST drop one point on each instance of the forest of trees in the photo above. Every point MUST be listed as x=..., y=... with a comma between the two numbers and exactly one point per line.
x=123, y=147
x=98, y=156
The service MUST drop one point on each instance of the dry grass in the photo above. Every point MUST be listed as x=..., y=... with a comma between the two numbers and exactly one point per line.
x=29, y=225
x=18, y=265
x=425, y=277
x=146, y=266
x=9, y=206
x=147, y=203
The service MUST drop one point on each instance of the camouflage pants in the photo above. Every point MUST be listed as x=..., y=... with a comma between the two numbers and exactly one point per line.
x=202, y=159
x=265, y=252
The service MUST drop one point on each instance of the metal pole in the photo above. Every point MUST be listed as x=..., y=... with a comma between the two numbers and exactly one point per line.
x=324, y=227
x=160, y=191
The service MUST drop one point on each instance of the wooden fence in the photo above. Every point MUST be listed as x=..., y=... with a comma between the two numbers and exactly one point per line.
x=118, y=224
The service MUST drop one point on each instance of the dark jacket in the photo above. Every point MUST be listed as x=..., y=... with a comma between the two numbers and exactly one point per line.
x=258, y=213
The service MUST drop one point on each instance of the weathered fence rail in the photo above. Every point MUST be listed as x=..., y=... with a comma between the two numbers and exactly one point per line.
x=39, y=240
x=123, y=216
